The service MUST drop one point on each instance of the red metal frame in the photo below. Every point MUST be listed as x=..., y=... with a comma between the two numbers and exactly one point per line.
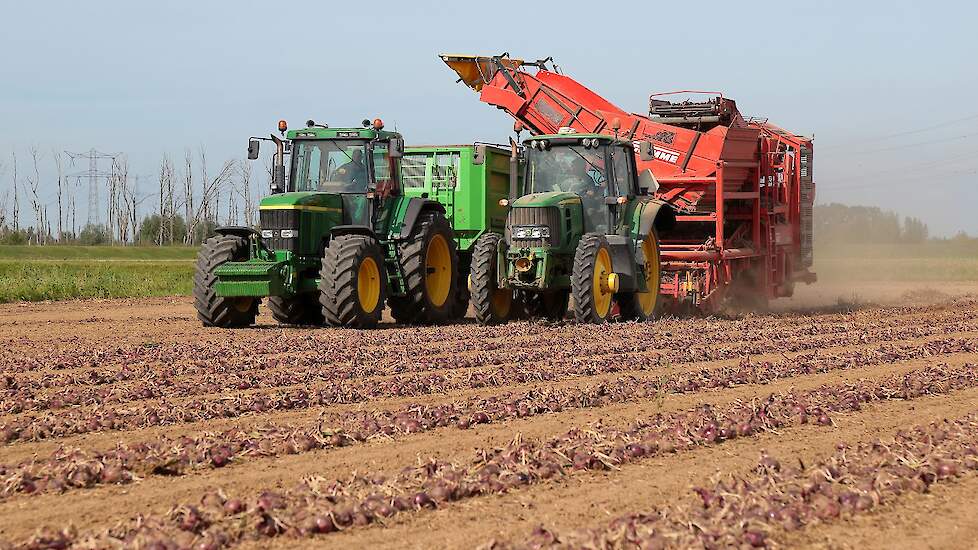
x=735, y=187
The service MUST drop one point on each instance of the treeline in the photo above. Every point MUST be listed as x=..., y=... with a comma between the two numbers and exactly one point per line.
x=44, y=203
x=840, y=223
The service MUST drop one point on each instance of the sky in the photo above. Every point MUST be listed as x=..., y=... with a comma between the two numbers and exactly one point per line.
x=886, y=88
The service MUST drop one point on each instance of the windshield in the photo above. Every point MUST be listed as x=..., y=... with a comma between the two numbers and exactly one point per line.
x=573, y=169
x=332, y=166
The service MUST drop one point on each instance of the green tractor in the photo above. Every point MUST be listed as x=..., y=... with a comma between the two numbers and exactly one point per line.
x=581, y=224
x=338, y=240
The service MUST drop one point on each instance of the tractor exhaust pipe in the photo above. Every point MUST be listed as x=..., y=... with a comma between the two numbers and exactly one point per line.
x=278, y=166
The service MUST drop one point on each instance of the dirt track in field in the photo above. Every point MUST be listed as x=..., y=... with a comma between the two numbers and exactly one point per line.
x=92, y=375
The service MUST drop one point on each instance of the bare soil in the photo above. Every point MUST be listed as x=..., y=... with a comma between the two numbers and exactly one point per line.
x=73, y=338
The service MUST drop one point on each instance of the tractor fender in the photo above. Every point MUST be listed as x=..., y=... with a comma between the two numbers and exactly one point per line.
x=364, y=230
x=623, y=261
x=656, y=214
x=237, y=231
x=414, y=209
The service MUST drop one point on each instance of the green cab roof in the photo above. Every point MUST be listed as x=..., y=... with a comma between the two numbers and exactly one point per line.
x=339, y=133
x=564, y=138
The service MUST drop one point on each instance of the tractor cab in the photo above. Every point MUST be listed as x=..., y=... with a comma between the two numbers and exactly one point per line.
x=596, y=168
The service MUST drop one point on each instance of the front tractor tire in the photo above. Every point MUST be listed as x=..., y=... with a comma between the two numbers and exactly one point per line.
x=643, y=306
x=593, y=281
x=352, y=286
x=303, y=309
x=429, y=263
x=492, y=305
x=214, y=310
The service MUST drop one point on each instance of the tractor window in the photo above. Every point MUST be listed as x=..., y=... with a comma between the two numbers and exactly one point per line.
x=623, y=172
x=413, y=166
x=332, y=166
x=571, y=169
x=382, y=163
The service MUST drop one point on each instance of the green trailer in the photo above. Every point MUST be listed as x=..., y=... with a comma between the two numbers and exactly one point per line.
x=469, y=181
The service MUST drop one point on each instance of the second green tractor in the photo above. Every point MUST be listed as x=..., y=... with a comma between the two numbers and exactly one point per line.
x=582, y=225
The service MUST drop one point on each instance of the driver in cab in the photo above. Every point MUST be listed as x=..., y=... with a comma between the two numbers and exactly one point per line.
x=354, y=172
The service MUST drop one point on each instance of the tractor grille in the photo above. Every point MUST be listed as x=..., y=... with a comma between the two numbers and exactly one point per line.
x=275, y=221
x=547, y=217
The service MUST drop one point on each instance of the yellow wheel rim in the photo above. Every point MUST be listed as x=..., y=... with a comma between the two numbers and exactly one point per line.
x=368, y=285
x=599, y=283
x=438, y=267
x=647, y=300
x=502, y=301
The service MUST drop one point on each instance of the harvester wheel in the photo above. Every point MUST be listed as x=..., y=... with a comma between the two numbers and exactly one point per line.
x=642, y=306
x=429, y=261
x=303, y=309
x=214, y=310
x=550, y=305
x=593, y=281
x=351, y=282
x=493, y=305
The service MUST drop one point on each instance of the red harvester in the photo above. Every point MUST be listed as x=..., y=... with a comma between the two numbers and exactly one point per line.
x=742, y=189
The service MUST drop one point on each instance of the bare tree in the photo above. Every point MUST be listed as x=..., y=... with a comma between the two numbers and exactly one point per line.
x=244, y=191
x=36, y=205
x=166, y=210
x=188, y=194
x=211, y=188
x=61, y=182
x=13, y=156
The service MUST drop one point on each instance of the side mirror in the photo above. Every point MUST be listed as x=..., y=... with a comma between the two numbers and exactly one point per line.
x=646, y=151
x=252, y=149
x=647, y=182
x=397, y=147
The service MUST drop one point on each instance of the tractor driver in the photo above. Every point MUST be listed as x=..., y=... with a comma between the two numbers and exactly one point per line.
x=354, y=172
x=580, y=181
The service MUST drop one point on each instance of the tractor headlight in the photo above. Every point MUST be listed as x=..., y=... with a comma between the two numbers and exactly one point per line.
x=267, y=233
x=289, y=233
x=531, y=232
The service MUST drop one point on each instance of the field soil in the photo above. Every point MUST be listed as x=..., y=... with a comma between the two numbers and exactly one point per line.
x=84, y=378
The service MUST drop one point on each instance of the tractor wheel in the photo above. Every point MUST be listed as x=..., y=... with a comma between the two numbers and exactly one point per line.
x=642, y=306
x=214, y=310
x=429, y=261
x=593, y=281
x=493, y=305
x=303, y=309
x=351, y=282
x=550, y=305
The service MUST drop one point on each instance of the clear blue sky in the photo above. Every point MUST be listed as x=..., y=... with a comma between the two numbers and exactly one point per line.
x=148, y=77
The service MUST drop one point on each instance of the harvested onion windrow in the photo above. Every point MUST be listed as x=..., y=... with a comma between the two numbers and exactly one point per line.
x=70, y=422
x=755, y=509
x=230, y=369
x=319, y=505
x=76, y=468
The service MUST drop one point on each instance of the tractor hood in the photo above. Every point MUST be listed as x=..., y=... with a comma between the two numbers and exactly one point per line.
x=310, y=200
x=552, y=198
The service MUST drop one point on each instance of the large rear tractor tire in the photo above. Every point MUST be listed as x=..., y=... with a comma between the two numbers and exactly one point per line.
x=643, y=306
x=593, y=281
x=214, y=310
x=493, y=305
x=429, y=261
x=550, y=305
x=352, y=286
x=303, y=309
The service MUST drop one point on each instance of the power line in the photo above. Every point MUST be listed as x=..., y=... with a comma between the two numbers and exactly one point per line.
x=906, y=133
x=908, y=145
